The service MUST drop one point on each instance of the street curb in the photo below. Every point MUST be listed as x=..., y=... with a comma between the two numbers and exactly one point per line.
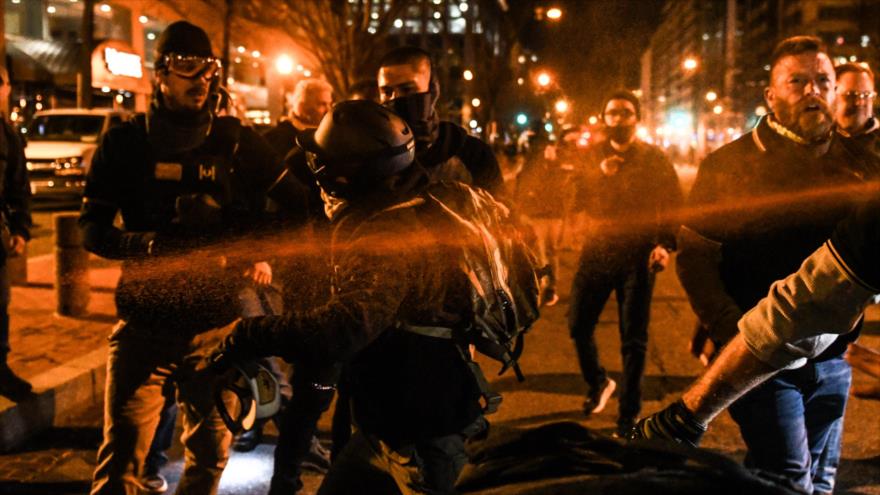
x=61, y=393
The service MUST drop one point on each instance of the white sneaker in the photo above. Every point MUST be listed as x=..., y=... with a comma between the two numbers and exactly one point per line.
x=597, y=401
x=154, y=483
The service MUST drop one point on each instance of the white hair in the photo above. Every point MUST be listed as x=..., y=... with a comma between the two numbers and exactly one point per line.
x=309, y=85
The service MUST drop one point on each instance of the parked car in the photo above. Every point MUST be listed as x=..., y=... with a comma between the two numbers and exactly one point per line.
x=60, y=146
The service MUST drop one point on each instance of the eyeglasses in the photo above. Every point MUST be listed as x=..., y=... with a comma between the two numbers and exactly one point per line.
x=624, y=114
x=853, y=95
x=191, y=66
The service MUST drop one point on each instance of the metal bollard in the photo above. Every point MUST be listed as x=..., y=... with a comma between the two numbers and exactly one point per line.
x=71, y=266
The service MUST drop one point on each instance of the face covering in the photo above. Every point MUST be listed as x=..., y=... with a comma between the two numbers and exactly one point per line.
x=621, y=133
x=176, y=132
x=418, y=111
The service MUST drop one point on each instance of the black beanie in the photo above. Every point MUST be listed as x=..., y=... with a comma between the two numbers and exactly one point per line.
x=183, y=38
x=623, y=94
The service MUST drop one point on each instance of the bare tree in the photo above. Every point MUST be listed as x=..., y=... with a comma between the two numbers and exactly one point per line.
x=344, y=37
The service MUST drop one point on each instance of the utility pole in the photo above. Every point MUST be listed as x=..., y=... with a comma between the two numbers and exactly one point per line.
x=224, y=54
x=84, y=81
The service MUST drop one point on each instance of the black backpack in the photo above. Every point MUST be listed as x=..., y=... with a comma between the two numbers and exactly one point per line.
x=502, y=270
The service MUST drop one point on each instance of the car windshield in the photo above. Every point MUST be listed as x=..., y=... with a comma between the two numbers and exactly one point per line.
x=84, y=128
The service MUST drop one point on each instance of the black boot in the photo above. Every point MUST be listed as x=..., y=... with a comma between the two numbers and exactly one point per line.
x=13, y=386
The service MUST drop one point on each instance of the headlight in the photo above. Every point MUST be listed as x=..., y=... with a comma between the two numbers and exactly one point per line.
x=69, y=166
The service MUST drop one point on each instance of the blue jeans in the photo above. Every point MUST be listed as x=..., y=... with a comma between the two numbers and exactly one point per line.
x=788, y=423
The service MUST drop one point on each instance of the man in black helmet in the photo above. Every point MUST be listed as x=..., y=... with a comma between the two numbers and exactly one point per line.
x=408, y=85
x=413, y=396
x=183, y=181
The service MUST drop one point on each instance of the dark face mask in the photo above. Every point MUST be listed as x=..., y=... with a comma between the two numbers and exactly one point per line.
x=417, y=110
x=621, y=133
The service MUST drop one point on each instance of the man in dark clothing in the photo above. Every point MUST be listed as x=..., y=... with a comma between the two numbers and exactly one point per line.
x=628, y=188
x=413, y=395
x=765, y=202
x=407, y=85
x=15, y=194
x=311, y=100
x=798, y=319
x=854, y=114
x=182, y=180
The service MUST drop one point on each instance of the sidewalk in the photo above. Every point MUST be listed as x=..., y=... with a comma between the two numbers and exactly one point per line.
x=62, y=357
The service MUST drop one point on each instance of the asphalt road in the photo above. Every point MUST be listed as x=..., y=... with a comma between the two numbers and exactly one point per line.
x=61, y=461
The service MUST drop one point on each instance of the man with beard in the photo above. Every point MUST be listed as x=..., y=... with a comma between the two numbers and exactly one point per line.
x=408, y=85
x=854, y=114
x=182, y=180
x=628, y=188
x=762, y=204
x=311, y=100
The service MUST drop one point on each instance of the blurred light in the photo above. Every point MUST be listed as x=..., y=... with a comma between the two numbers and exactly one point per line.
x=476, y=102
x=143, y=19
x=39, y=106
x=840, y=40
x=520, y=81
x=548, y=127
x=544, y=79
x=256, y=53
x=438, y=2
x=554, y=13
x=151, y=36
x=237, y=60
x=13, y=115
x=689, y=63
x=642, y=133
x=637, y=93
x=299, y=67
x=681, y=121
x=463, y=7
x=371, y=30
x=51, y=9
x=473, y=124
x=16, y=2
x=478, y=130
x=307, y=73
x=593, y=120
x=105, y=8
x=241, y=49
x=284, y=64
x=534, y=58
x=853, y=58
x=105, y=89
x=374, y=15
x=437, y=15
x=467, y=75
x=865, y=41
x=767, y=67
x=760, y=110
x=522, y=119
x=230, y=81
x=717, y=109
x=711, y=96
x=561, y=106
x=119, y=99
x=398, y=23
x=521, y=59
x=22, y=103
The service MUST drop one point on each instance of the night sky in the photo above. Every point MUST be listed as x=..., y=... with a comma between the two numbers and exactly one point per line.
x=596, y=46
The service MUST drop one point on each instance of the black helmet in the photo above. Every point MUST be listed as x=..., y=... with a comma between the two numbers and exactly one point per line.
x=357, y=145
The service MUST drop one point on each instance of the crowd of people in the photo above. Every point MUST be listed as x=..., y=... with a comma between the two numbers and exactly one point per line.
x=310, y=243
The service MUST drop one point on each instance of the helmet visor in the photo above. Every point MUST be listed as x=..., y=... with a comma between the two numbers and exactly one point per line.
x=191, y=66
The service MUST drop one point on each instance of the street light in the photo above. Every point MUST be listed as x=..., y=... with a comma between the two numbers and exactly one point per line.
x=467, y=75
x=711, y=96
x=717, y=109
x=522, y=119
x=554, y=13
x=284, y=64
x=593, y=120
x=475, y=102
x=544, y=79
x=561, y=106
x=690, y=64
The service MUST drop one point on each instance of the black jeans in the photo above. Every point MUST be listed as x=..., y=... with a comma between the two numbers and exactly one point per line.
x=633, y=283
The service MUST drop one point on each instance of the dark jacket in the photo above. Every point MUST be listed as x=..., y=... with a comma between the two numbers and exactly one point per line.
x=637, y=207
x=768, y=204
x=456, y=155
x=864, y=149
x=15, y=191
x=173, y=204
x=389, y=268
x=282, y=137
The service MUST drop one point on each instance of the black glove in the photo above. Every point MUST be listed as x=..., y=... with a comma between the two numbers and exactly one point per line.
x=675, y=423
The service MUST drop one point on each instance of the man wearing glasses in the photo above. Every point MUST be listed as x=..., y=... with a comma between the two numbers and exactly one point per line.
x=854, y=113
x=182, y=179
x=629, y=190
